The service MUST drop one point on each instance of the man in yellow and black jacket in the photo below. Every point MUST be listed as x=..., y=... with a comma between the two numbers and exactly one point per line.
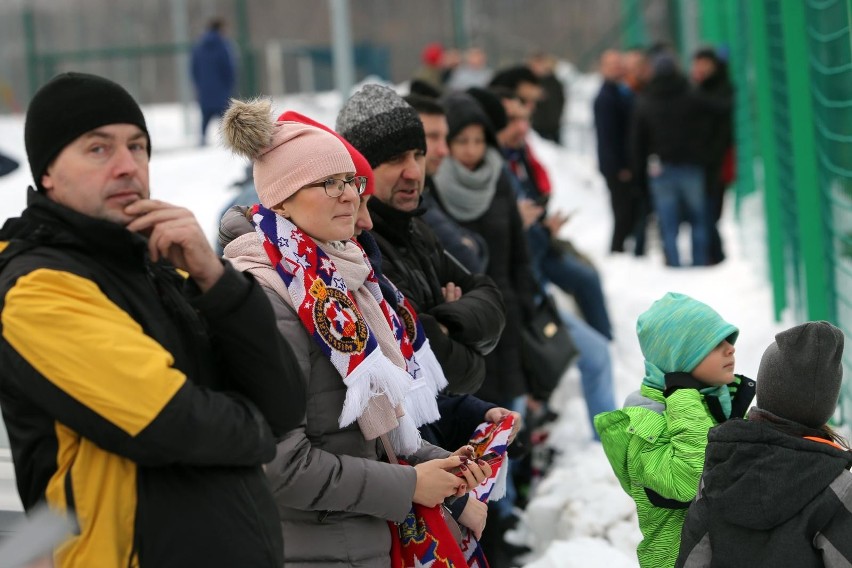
x=140, y=401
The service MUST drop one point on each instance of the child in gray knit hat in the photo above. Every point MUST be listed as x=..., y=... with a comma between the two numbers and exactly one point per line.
x=777, y=487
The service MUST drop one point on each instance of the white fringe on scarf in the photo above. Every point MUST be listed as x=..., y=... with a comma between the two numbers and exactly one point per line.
x=375, y=375
x=498, y=490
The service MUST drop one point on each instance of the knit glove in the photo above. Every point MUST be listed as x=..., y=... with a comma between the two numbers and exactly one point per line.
x=681, y=380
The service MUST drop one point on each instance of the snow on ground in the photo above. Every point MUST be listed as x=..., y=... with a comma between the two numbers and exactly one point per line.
x=579, y=516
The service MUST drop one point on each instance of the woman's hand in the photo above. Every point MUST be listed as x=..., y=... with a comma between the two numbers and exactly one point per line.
x=435, y=482
x=472, y=471
x=474, y=515
x=495, y=415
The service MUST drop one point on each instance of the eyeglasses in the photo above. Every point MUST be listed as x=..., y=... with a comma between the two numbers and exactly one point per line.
x=334, y=187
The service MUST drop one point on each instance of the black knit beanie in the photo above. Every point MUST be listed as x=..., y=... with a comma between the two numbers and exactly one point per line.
x=463, y=110
x=68, y=106
x=380, y=124
x=800, y=374
x=492, y=105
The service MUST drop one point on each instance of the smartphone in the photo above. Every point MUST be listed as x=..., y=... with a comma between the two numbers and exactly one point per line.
x=491, y=458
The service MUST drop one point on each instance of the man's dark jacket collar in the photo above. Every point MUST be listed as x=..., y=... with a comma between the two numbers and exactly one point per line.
x=50, y=223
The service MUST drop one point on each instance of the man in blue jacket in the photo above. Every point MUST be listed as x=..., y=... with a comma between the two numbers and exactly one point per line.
x=213, y=72
x=612, y=108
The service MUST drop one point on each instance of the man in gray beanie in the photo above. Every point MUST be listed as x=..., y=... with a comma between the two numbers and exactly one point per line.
x=461, y=327
x=776, y=489
x=140, y=402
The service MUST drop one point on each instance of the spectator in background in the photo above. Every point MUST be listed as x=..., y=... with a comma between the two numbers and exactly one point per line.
x=462, y=313
x=547, y=116
x=7, y=165
x=473, y=71
x=473, y=188
x=637, y=73
x=213, y=73
x=553, y=258
x=637, y=70
x=465, y=245
x=565, y=270
x=710, y=76
x=521, y=81
x=668, y=144
x=431, y=70
x=612, y=109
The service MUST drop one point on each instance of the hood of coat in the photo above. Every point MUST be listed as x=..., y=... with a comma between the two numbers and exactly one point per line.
x=676, y=333
x=240, y=241
x=667, y=86
x=757, y=476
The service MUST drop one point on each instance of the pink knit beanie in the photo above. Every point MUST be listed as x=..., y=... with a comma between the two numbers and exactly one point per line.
x=286, y=155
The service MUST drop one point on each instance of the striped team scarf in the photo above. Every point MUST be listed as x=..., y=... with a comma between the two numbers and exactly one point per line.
x=488, y=437
x=423, y=538
x=328, y=312
x=428, y=375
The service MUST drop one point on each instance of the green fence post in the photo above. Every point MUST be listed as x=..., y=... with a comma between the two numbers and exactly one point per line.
x=248, y=80
x=634, y=23
x=740, y=54
x=711, y=22
x=768, y=154
x=806, y=172
x=460, y=36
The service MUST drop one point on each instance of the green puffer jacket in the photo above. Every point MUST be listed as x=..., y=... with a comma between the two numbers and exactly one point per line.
x=655, y=446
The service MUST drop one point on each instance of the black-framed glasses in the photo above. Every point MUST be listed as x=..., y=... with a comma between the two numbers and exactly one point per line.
x=334, y=187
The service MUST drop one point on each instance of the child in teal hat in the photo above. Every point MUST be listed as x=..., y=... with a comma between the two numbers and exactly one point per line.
x=655, y=444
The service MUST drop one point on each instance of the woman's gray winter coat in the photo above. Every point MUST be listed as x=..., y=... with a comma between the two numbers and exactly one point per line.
x=334, y=493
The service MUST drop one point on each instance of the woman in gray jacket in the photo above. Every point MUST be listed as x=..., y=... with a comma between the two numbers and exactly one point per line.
x=367, y=390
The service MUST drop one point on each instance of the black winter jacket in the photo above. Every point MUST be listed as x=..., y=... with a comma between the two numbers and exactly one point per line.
x=612, y=109
x=770, y=497
x=509, y=267
x=119, y=387
x=414, y=260
x=467, y=247
x=673, y=122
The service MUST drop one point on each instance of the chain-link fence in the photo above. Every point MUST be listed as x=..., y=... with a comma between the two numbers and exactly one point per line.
x=791, y=62
x=285, y=45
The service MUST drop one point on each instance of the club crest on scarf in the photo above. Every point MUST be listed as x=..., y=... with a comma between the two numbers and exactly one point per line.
x=406, y=314
x=423, y=538
x=337, y=319
x=331, y=317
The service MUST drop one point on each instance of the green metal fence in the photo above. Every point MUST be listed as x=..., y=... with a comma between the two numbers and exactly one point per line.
x=791, y=63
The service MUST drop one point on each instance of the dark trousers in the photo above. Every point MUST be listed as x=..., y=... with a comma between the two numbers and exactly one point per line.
x=629, y=212
x=573, y=275
x=715, y=203
x=208, y=114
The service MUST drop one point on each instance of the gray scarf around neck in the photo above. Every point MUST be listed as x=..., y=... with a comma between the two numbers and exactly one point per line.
x=466, y=194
